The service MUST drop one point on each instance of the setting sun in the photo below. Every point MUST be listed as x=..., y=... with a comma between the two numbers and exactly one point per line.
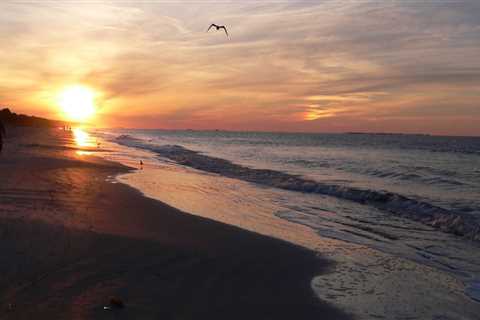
x=77, y=103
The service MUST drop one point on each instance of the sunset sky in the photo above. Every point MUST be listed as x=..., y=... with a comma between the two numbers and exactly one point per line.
x=323, y=66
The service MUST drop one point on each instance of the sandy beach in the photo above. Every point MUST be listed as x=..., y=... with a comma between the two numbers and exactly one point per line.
x=71, y=239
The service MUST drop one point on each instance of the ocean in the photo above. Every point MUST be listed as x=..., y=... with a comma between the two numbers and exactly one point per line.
x=415, y=198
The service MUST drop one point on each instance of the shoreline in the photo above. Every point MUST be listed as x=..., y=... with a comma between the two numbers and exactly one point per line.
x=72, y=242
x=367, y=277
x=427, y=213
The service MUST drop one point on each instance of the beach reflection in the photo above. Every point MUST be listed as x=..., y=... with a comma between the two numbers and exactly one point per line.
x=82, y=138
x=83, y=153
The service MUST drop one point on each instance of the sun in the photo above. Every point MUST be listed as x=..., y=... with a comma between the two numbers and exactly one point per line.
x=77, y=102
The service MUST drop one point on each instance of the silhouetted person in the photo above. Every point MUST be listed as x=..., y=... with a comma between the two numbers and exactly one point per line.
x=2, y=133
x=213, y=25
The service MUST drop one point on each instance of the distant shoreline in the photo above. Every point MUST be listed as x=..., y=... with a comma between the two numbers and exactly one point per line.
x=21, y=120
x=291, y=132
x=390, y=133
x=14, y=119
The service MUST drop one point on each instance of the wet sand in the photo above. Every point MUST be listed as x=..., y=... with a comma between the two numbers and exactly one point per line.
x=71, y=239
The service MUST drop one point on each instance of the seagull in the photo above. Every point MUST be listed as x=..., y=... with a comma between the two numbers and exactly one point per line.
x=218, y=28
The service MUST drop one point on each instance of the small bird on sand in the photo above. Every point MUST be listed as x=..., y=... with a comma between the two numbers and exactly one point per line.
x=115, y=303
x=213, y=25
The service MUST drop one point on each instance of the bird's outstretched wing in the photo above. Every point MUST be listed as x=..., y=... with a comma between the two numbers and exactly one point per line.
x=211, y=26
x=224, y=28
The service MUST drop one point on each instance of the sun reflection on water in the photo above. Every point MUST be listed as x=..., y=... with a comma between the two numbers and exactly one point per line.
x=83, y=153
x=82, y=139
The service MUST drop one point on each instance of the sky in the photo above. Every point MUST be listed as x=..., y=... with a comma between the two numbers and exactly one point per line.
x=317, y=66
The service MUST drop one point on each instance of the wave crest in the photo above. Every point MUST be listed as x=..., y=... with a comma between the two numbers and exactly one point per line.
x=446, y=220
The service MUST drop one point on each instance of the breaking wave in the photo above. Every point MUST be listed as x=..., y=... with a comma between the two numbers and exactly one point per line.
x=450, y=221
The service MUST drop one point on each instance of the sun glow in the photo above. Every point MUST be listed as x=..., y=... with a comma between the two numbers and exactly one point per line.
x=77, y=103
x=314, y=114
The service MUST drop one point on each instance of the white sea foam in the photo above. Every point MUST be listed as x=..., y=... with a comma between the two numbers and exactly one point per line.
x=449, y=221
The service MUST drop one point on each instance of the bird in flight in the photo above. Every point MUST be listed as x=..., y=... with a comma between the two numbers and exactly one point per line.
x=213, y=25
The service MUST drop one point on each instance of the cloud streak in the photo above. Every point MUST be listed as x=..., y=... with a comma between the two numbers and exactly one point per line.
x=298, y=65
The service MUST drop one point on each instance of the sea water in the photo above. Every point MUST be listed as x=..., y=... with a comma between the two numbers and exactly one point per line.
x=415, y=197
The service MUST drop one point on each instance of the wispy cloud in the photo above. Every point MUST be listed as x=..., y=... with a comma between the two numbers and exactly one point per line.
x=296, y=65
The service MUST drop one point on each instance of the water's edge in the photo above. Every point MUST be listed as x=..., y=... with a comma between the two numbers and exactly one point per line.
x=442, y=219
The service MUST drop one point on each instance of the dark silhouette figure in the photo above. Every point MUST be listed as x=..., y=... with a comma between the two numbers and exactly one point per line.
x=213, y=25
x=2, y=133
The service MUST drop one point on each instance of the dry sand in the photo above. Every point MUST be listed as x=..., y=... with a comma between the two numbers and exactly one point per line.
x=70, y=240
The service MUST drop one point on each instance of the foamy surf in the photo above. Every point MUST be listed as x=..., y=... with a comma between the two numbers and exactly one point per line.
x=449, y=221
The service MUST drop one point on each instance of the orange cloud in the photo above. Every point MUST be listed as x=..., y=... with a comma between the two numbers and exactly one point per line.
x=327, y=66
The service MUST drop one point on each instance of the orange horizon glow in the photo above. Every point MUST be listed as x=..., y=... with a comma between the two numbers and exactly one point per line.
x=322, y=67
